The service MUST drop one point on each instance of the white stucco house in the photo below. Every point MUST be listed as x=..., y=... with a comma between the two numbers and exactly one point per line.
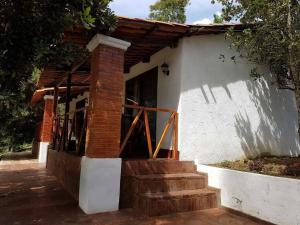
x=150, y=90
x=224, y=114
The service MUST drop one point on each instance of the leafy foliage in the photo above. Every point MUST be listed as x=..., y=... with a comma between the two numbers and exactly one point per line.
x=169, y=10
x=18, y=120
x=218, y=18
x=31, y=34
x=274, y=36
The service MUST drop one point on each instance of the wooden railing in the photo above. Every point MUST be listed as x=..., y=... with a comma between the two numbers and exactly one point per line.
x=68, y=132
x=172, y=122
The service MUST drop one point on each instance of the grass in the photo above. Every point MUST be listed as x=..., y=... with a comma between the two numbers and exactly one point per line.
x=269, y=165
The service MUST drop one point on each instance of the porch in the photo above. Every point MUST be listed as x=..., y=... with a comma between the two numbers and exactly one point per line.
x=31, y=195
x=90, y=124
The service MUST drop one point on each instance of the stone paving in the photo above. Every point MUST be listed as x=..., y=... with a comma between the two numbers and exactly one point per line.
x=29, y=195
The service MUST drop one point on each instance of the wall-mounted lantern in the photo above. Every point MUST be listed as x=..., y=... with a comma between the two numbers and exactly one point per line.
x=165, y=68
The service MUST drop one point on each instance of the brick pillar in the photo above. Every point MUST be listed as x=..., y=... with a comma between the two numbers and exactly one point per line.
x=101, y=167
x=46, y=128
x=46, y=131
x=105, y=103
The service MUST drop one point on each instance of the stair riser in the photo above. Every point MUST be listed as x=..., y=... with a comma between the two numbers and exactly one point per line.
x=166, y=185
x=131, y=168
x=127, y=194
x=158, y=207
x=160, y=187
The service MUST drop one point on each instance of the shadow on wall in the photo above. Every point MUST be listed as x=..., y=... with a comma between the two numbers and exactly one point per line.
x=274, y=110
x=225, y=112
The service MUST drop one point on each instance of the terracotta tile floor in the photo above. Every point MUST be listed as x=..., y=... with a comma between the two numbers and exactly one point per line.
x=29, y=195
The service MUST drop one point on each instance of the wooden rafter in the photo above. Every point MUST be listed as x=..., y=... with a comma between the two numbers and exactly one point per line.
x=146, y=37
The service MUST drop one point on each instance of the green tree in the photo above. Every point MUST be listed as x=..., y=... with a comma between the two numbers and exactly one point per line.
x=31, y=34
x=272, y=36
x=17, y=119
x=169, y=10
x=218, y=18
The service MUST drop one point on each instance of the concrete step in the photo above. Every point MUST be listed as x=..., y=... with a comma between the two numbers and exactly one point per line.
x=157, y=166
x=169, y=182
x=156, y=204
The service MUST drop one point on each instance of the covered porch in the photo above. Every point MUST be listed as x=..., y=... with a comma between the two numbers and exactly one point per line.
x=89, y=122
x=76, y=94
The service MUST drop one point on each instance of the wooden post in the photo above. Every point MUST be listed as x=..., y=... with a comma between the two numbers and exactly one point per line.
x=148, y=134
x=54, y=123
x=55, y=103
x=164, y=135
x=136, y=119
x=175, y=144
x=67, y=109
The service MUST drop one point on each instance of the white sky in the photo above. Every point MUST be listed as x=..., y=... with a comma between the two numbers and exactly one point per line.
x=200, y=11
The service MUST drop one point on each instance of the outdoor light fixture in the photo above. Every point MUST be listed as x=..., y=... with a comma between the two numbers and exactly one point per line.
x=165, y=68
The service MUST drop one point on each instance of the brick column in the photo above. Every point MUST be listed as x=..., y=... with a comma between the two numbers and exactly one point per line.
x=101, y=166
x=105, y=104
x=46, y=128
x=46, y=131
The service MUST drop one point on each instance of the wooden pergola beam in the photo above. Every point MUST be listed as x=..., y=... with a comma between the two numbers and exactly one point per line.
x=72, y=71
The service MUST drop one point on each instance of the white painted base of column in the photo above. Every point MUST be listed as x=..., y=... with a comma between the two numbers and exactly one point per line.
x=43, y=149
x=99, y=185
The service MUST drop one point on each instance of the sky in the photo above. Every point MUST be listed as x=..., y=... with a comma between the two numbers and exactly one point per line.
x=199, y=11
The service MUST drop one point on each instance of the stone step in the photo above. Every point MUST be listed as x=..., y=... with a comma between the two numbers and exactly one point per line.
x=156, y=204
x=169, y=182
x=157, y=166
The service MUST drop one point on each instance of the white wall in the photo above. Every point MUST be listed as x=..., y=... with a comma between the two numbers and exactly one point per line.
x=273, y=199
x=224, y=114
x=99, y=191
x=43, y=150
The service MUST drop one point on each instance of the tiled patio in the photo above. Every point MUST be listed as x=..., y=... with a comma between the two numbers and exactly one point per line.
x=29, y=195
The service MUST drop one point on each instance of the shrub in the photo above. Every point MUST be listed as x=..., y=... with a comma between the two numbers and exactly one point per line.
x=292, y=170
x=273, y=169
x=225, y=164
x=255, y=165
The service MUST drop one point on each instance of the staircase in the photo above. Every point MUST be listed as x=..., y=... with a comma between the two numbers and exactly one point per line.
x=159, y=187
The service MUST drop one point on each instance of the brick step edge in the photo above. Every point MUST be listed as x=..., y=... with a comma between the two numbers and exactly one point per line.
x=173, y=176
x=181, y=194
